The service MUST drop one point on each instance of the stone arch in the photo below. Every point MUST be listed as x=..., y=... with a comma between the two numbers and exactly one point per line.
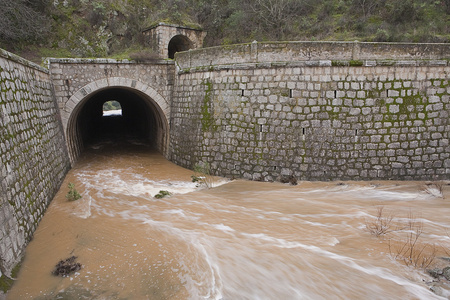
x=179, y=43
x=153, y=101
x=181, y=38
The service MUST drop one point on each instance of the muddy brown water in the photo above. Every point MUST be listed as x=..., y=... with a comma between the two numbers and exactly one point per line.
x=238, y=240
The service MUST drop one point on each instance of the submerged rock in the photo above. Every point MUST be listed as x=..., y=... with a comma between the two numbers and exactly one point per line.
x=441, y=289
x=441, y=285
x=435, y=272
x=446, y=273
x=289, y=179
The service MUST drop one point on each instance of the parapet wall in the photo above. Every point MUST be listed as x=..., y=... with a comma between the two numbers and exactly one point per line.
x=314, y=53
x=317, y=111
x=33, y=156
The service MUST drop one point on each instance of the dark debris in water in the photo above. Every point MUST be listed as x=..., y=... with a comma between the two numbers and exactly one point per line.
x=66, y=267
x=289, y=179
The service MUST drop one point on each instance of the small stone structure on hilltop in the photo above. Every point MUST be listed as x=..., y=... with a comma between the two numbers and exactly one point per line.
x=166, y=39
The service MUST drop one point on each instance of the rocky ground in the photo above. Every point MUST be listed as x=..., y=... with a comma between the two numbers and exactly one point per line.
x=440, y=284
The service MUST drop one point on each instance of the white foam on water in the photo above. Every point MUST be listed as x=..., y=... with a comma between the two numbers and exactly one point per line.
x=415, y=289
x=110, y=184
x=371, y=192
x=223, y=228
x=333, y=241
x=201, y=283
x=111, y=180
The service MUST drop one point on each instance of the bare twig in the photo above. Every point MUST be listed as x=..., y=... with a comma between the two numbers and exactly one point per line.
x=410, y=250
x=382, y=224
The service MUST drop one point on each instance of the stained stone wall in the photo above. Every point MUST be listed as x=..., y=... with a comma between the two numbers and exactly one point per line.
x=317, y=115
x=33, y=156
x=76, y=80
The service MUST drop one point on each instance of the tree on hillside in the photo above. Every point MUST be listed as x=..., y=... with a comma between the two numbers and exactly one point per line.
x=20, y=21
x=446, y=4
x=367, y=7
x=276, y=17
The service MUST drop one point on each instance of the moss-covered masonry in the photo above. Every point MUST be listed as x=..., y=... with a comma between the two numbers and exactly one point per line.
x=295, y=111
x=33, y=156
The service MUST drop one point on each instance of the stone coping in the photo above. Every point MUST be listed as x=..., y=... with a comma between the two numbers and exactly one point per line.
x=355, y=53
x=317, y=63
x=171, y=25
x=105, y=61
x=10, y=56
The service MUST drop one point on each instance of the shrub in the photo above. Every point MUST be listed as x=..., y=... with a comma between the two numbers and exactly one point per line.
x=203, y=175
x=410, y=250
x=73, y=194
x=161, y=194
x=382, y=224
x=20, y=21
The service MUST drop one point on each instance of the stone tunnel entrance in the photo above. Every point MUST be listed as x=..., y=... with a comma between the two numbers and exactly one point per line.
x=141, y=119
x=177, y=44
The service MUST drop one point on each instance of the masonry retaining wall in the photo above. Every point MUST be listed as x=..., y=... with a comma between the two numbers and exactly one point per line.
x=33, y=156
x=317, y=111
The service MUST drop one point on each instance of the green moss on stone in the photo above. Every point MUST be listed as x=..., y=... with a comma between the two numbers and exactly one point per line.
x=356, y=63
x=207, y=119
x=6, y=283
x=285, y=92
x=339, y=63
x=410, y=100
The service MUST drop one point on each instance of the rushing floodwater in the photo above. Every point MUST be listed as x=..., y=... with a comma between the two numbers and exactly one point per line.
x=239, y=240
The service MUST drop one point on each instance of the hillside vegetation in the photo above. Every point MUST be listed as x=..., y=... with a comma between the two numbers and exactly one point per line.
x=112, y=28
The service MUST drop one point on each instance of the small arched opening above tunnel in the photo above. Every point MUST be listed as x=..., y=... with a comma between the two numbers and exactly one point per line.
x=177, y=44
x=93, y=121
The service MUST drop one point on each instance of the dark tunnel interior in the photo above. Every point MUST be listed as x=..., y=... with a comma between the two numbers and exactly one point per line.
x=177, y=44
x=139, y=119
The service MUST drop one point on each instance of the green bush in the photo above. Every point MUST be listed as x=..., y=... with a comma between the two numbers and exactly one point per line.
x=203, y=175
x=73, y=194
x=162, y=194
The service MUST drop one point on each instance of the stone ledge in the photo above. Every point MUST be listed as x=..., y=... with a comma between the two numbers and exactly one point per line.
x=10, y=56
x=317, y=63
x=311, y=51
x=104, y=61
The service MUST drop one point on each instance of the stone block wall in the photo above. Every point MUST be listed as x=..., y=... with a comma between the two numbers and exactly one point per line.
x=70, y=75
x=159, y=36
x=33, y=156
x=76, y=80
x=314, y=119
x=327, y=53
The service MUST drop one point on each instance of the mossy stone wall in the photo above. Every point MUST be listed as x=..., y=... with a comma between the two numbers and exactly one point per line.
x=314, y=119
x=33, y=156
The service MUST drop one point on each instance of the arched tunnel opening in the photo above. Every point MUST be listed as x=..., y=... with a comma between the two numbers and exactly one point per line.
x=140, y=120
x=177, y=44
